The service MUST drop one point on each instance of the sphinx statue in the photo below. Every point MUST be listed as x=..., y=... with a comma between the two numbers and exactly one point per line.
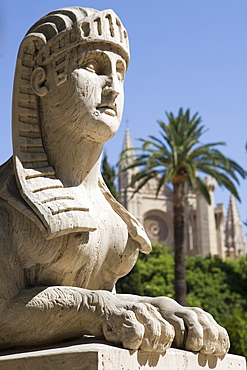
x=64, y=239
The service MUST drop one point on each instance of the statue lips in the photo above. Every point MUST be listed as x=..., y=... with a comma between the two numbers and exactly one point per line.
x=109, y=109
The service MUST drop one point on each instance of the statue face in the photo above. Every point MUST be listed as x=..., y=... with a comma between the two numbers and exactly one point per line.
x=91, y=100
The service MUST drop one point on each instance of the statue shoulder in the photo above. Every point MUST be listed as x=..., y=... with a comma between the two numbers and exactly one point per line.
x=135, y=229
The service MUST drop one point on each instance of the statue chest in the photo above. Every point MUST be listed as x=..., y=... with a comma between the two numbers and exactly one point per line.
x=92, y=260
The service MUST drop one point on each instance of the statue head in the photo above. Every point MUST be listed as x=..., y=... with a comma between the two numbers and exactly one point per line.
x=52, y=49
x=47, y=66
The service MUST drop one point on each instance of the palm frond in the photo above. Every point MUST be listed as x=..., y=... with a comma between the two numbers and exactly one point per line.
x=178, y=148
x=203, y=189
x=161, y=182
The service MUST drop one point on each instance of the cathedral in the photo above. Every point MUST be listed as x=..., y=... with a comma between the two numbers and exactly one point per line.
x=207, y=227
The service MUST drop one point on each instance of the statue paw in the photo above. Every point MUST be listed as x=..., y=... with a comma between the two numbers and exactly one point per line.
x=213, y=339
x=138, y=326
x=195, y=329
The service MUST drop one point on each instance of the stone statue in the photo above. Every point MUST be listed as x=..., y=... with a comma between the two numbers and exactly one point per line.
x=64, y=240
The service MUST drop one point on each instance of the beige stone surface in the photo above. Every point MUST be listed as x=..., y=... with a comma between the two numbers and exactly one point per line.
x=97, y=356
x=65, y=240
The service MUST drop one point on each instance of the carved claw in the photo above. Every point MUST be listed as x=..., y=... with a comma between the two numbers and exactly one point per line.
x=138, y=326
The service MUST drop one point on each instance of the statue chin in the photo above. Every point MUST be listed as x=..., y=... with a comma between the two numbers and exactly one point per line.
x=102, y=127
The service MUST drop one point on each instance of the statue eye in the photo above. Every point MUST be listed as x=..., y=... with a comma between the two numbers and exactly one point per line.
x=91, y=67
x=120, y=69
x=120, y=76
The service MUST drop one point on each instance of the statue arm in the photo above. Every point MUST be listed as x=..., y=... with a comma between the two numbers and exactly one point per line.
x=42, y=315
x=45, y=315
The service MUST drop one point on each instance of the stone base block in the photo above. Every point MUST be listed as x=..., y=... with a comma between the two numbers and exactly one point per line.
x=101, y=356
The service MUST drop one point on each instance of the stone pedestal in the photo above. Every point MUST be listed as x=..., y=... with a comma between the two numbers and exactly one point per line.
x=101, y=356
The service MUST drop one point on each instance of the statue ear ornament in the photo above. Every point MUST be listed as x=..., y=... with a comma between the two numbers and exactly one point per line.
x=38, y=78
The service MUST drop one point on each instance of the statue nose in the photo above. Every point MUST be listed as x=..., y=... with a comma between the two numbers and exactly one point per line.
x=109, y=90
x=112, y=87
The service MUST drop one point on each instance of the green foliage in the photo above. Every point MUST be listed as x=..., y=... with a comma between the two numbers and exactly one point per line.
x=109, y=175
x=152, y=275
x=218, y=286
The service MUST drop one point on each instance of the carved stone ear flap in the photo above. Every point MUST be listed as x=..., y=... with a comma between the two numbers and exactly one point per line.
x=38, y=78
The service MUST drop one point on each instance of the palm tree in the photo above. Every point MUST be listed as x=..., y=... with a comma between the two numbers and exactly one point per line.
x=177, y=158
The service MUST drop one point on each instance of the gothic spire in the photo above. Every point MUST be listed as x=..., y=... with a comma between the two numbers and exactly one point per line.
x=127, y=158
x=235, y=241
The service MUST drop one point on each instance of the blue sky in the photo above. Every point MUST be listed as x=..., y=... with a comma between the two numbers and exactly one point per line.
x=189, y=54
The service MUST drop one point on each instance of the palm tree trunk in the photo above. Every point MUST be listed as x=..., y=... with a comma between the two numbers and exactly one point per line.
x=178, y=225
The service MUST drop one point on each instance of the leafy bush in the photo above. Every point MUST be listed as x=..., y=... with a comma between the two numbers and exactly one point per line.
x=152, y=275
